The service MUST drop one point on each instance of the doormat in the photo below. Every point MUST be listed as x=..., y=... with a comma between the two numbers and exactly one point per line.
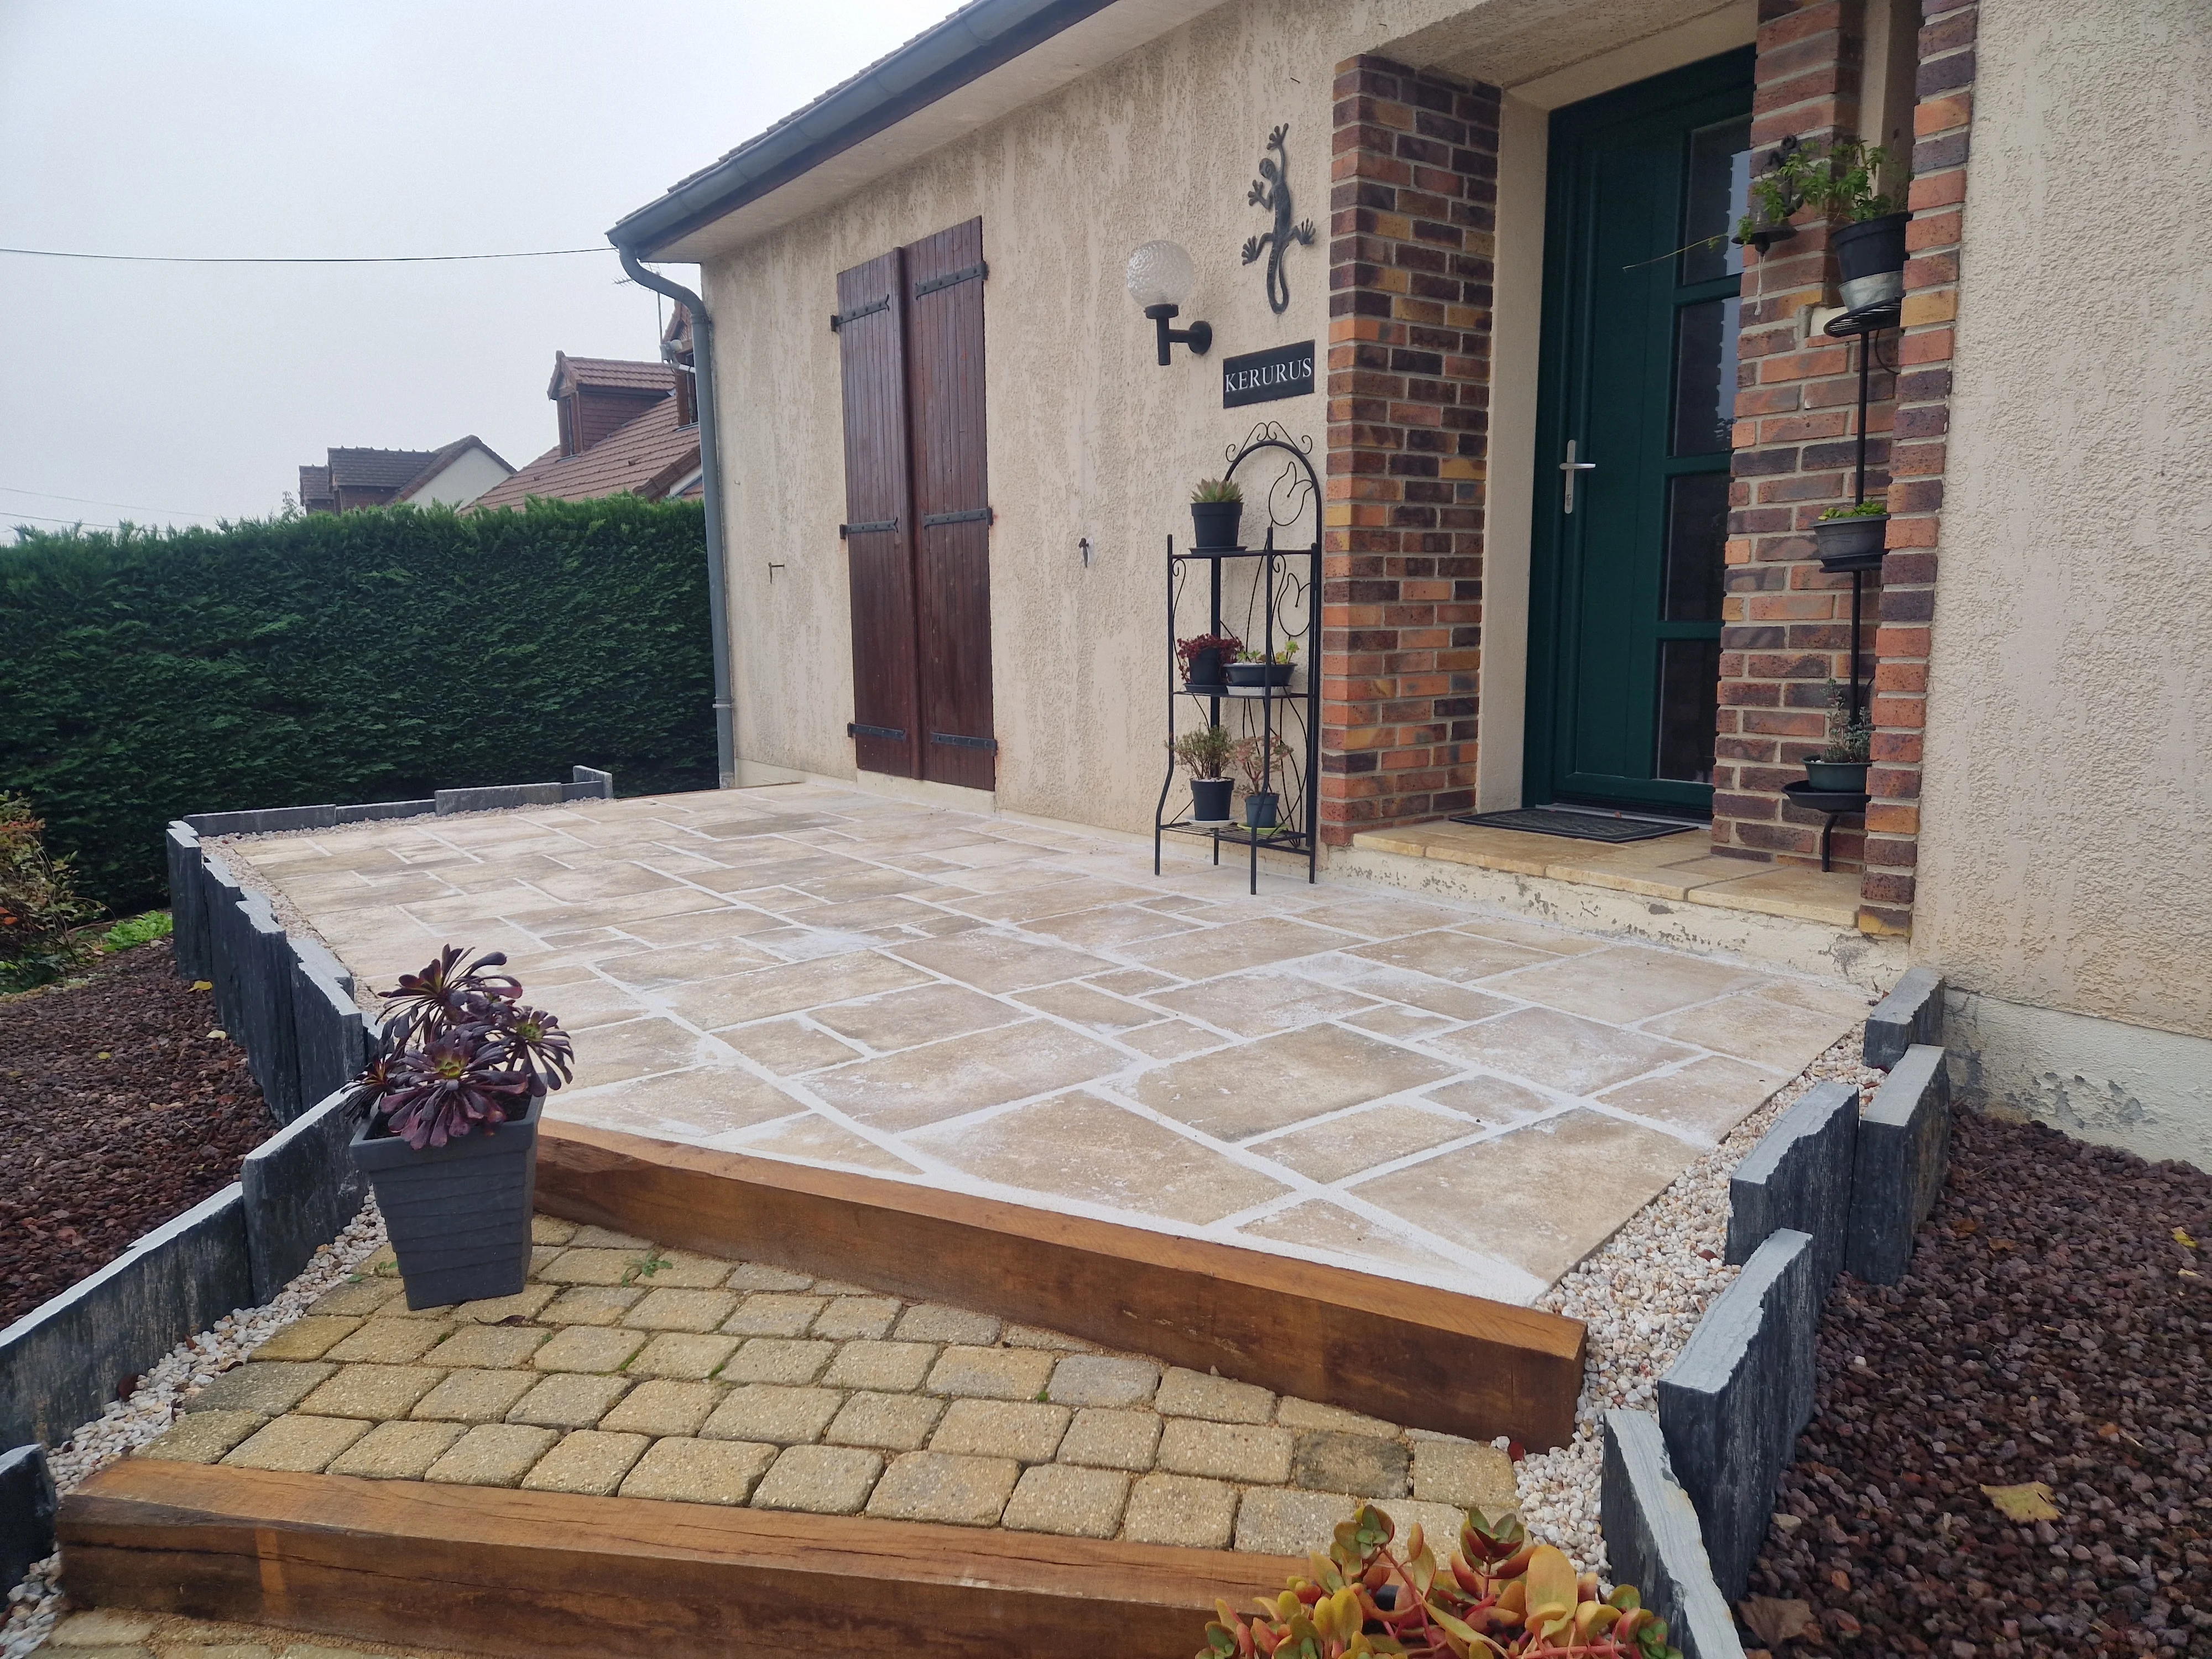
x=1577, y=826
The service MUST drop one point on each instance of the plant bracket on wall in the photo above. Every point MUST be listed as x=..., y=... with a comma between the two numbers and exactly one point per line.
x=1272, y=190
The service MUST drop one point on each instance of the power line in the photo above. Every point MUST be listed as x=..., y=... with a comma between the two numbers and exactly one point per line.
x=93, y=500
x=230, y=259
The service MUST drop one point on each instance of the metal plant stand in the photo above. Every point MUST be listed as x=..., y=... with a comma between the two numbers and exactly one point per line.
x=1278, y=589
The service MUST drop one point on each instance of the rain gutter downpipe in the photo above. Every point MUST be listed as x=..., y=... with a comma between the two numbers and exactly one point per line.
x=710, y=470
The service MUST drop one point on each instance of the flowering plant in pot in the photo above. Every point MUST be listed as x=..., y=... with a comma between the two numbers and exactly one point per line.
x=1205, y=751
x=1216, y=513
x=447, y=1131
x=1841, y=767
x=1205, y=659
x=1259, y=759
x=1852, y=537
x=1839, y=182
x=1258, y=668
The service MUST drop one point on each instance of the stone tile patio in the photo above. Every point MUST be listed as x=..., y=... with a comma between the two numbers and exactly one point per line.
x=1335, y=1073
x=627, y=1369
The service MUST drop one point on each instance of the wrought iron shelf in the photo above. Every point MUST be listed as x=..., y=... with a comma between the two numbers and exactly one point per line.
x=1253, y=692
x=1280, y=841
x=1225, y=553
x=1865, y=320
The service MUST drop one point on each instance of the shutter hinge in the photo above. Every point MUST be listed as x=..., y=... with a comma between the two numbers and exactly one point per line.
x=966, y=274
x=951, y=741
x=838, y=318
x=876, y=528
x=973, y=515
x=854, y=729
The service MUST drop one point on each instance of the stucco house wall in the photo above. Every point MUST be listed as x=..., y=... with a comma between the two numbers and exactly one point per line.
x=2068, y=785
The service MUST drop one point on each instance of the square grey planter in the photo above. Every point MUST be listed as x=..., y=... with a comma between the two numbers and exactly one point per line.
x=457, y=1215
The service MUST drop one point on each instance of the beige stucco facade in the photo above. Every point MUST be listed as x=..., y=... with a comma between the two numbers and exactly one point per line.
x=2068, y=785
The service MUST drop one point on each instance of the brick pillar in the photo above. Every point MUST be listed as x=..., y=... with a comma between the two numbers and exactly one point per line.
x=1940, y=124
x=1413, y=210
x=1786, y=626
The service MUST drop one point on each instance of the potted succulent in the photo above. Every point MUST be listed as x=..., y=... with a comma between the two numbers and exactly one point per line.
x=1841, y=767
x=1216, y=511
x=447, y=1134
x=1257, y=668
x=1205, y=659
x=1838, y=182
x=1852, y=537
x=1259, y=760
x=1206, y=751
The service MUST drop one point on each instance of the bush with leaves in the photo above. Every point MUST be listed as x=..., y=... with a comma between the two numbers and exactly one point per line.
x=1496, y=1596
x=39, y=908
x=1837, y=182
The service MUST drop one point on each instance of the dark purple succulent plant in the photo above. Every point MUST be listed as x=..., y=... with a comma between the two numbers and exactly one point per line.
x=460, y=1051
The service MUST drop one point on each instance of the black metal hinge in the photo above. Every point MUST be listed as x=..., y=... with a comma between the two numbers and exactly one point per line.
x=854, y=729
x=876, y=528
x=973, y=515
x=953, y=742
x=838, y=318
x=966, y=274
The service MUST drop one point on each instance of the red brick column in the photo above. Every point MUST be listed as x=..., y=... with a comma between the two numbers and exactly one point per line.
x=1786, y=626
x=1413, y=210
x=1940, y=124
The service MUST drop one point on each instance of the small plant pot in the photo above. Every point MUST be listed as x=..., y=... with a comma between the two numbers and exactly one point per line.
x=1259, y=808
x=1214, y=525
x=457, y=1215
x=1836, y=777
x=1255, y=674
x=1209, y=800
x=1852, y=543
x=1870, y=260
x=1205, y=671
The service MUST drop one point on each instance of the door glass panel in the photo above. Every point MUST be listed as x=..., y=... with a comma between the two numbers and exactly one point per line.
x=1705, y=376
x=1689, y=697
x=1697, y=537
x=1719, y=194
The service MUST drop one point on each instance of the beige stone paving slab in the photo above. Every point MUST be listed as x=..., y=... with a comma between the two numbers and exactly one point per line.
x=567, y=1400
x=660, y=1406
x=202, y=1437
x=996, y=963
x=1280, y=1080
x=1359, y=1241
x=1294, y=1413
x=306, y=1339
x=845, y=1317
x=932, y=1486
x=759, y=1276
x=525, y=1304
x=1364, y=1465
x=1561, y=1051
x=889, y=1422
x=492, y=1455
x=1077, y=1146
x=682, y=1310
x=893, y=1365
x=1830, y=897
x=1246, y=1452
x=819, y=1479
x=357, y=1298
x=698, y=1102
x=1405, y=1025
x=1211, y=952
x=1110, y=929
x=774, y=1359
x=1617, y=1168
x=1448, y=954
x=1174, y=1509
x=946, y=1079
x=397, y=1451
x=698, y=1471
x=1706, y=1098
x=1092, y=1009
x=1628, y=982
x=475, y=1396
x=1492, y=1102
x=771, y=1313
x=1284, y=1521
x=788, y=1046
x=374, y=1392
x=1171, y=1039
x=991, y=1373
x=495, y=1346
x=1103, y=1379
x=1072, y=1501
x=1103, y=1437
x=296, y=1445
x=1253, y=1005
x=591, y=1461
x=814, y=1139
x=773, y=1413
x=1185, y=1392
x=1416, y=991
x=1029, y=1431
x=764, y=993
x=388, y=1342
x=1757, y=1028
x=613, y=1054
x=1346, y=1145
x=681, y=1357
x=1466, y=1475
x=589, y=1339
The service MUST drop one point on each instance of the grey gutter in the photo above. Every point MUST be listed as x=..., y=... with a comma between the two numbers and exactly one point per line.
x=975, y=40
x=710, y=469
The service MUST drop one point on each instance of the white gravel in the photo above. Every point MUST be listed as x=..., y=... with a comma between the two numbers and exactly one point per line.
x=1642, y=1294
x=34, y=1605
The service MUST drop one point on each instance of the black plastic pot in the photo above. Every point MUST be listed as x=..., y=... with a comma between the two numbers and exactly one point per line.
x=1260, y=673
x=1870, y=260
x=1852, y=543
x=1259, y=808
x=1209, y=799
x=1836, y=777
x=457, y=1215
x=1205, y=669
x=1214, y=525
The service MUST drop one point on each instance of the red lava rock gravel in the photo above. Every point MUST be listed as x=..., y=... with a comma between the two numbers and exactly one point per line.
x=2049, y=1330
x=117, y=1112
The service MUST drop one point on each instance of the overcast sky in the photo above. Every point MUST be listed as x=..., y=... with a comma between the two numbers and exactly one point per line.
x=181, y=394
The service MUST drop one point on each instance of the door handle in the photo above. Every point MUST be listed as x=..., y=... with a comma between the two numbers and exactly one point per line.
x=1568, y=468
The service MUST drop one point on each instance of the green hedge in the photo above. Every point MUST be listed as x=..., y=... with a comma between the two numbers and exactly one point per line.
x=364, y=656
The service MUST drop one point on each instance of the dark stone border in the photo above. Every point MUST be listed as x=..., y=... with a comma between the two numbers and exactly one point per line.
x=1654, y=1541
x=1911, y=1013
x=27, y=1506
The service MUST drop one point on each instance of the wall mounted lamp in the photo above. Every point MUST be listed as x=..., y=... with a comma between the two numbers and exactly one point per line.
x=1161, y=277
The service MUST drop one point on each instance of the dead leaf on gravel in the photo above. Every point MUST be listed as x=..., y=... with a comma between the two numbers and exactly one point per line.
x=2182, y=1239
x=1775, y=1621
x=203, y=985
x=2031, y=1502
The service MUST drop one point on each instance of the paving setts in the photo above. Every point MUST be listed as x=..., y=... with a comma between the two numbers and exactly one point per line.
x=811, y=974
x=625, y=1369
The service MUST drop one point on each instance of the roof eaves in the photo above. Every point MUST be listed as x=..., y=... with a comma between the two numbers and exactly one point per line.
x=975, y=40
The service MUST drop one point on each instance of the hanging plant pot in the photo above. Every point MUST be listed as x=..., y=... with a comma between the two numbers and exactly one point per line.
x=1261, y=806
x=1854, y=543
x=1838, y=777
x=1206, y=671
x=1870, y=260
x=1209, y=801
x=1214, y=525
x=457, y=1215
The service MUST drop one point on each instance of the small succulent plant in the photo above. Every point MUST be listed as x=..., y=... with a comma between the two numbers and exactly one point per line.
x=1873, y=507
x=1188, y=651
x=1217, y=489
x=1850, y=736
x=1496, y=1596
x=1288, y=653
x=460, y=1050
x=1206, y=750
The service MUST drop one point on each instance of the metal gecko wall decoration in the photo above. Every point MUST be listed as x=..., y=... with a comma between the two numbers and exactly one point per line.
x=1272, y=190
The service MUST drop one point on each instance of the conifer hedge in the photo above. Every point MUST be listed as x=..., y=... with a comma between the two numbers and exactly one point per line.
x=374, y=655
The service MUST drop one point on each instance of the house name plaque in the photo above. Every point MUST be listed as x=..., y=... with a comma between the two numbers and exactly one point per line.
x=1261, y=377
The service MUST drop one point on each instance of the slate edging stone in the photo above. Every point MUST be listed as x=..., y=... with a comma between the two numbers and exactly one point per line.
x=27, y=1506
x=300, y=1189
x=1800, y=1176
x=1911, y=1013
x=1897, y=1168
x=1653, y=1540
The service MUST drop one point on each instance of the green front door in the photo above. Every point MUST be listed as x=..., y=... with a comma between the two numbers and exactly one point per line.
x=1638, y=393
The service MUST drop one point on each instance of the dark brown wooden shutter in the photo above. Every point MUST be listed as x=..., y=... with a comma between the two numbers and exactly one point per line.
x=952, y=504
x=878, y=527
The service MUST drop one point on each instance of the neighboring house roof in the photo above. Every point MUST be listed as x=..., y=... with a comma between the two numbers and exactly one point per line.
x=608, y=373
x=444, y=457
x=998, y=54
x=376, y=469
x=315, y=488
x=646, y=458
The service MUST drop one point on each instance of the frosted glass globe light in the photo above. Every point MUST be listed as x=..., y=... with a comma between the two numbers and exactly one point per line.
x=1161, y=274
